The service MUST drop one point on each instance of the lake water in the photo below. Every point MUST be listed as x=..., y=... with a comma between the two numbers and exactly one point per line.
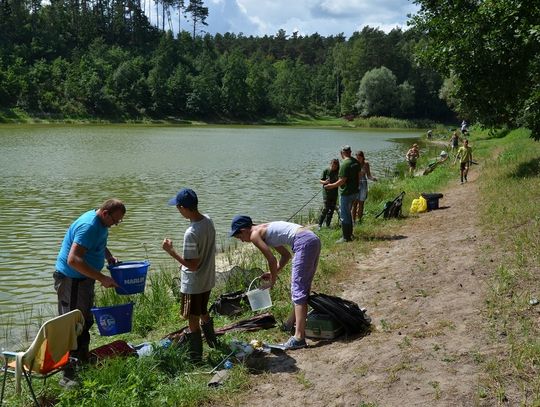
x=51, y=174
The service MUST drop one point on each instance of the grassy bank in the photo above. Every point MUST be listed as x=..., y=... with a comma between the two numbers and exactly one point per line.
x=511, y=192
x=509, y=188
x=16, y=116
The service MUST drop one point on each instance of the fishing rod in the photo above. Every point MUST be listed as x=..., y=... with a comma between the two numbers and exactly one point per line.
x=303, y=206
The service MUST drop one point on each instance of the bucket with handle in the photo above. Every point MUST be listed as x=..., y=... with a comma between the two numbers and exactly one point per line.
x=259, y=298
x=130, y=276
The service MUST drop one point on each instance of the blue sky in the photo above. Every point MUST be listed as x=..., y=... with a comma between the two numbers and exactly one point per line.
x=326, y=17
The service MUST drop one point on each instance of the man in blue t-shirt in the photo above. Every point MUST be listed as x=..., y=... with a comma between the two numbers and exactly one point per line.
x=78, y=266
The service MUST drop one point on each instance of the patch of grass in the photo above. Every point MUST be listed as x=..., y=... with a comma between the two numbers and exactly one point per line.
x=437, y=387
x=405, y=343
x=385, y=326
x=436, y=328
x=362, y=370
x=303, y=380
x=510, y=192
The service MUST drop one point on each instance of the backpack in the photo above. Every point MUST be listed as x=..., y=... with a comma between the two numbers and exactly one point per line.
x=392, y=209
x=347, y=313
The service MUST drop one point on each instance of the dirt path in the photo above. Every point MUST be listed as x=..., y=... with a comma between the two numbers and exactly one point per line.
x=424, y=289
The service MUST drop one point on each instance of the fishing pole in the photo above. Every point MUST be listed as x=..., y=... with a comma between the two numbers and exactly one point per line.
x=303, y=206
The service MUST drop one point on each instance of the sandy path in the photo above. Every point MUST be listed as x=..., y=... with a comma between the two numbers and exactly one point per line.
x=424, y=290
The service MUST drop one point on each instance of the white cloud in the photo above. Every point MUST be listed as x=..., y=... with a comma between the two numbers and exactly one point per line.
x=326, y=17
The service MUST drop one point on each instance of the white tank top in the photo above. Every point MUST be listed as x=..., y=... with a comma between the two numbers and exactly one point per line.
x=281, y=233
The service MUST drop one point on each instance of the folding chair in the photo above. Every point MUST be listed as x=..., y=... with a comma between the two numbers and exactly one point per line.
x=47, y=355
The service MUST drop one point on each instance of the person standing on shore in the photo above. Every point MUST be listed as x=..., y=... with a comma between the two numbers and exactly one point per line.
x=78, y=266
x=454, y=141
x=464, y=155
x=306, y=247
x=412, y=157
x=198, y=271
x=329, y=175
x=348, y=184
x=363, y=176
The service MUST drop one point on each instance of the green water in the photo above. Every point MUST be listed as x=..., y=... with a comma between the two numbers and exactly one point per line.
x=52, y=174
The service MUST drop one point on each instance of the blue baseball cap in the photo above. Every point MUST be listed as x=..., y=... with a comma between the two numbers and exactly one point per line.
x=240, y=222
x=185, y=197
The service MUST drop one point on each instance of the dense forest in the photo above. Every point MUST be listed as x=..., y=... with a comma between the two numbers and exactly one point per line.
x=103, y=58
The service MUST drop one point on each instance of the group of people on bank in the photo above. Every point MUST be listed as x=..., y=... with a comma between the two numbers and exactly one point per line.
x=351, y=177
x=84, y=251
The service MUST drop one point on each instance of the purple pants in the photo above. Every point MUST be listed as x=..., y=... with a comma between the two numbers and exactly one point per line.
x=306, y=249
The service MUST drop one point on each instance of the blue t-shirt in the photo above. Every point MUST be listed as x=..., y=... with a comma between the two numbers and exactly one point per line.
x=87, y=231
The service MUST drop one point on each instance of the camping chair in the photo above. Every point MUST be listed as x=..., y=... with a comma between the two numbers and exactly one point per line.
x=48, y=354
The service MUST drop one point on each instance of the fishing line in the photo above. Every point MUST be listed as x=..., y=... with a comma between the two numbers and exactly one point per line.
x=303, y=206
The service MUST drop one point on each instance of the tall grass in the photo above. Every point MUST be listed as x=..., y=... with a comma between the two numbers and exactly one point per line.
x=510, y=196
x=390, y=123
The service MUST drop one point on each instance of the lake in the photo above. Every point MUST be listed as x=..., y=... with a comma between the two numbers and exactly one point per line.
x=53, y=173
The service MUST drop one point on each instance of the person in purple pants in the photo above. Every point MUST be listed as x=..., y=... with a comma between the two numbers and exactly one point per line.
x=306, y=247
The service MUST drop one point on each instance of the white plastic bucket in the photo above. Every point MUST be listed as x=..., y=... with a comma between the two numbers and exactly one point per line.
x=259, y=298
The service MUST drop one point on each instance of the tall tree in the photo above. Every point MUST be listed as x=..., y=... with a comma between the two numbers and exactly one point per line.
x=491, y=49
x=198, y=12
x=378, y=92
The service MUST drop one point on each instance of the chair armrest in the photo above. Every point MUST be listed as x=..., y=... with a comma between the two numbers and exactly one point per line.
x=7, y=354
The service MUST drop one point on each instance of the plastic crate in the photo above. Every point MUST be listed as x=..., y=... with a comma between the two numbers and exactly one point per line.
x=322, y=326
x=432, y=200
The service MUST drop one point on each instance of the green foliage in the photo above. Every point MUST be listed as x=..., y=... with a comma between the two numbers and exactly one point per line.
x=490, y=51
x=377, y=95
x=510, y=191
x=105, y=60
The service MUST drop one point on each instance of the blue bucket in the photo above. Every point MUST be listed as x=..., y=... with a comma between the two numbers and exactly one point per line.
x=113, y=320
x=130, y=276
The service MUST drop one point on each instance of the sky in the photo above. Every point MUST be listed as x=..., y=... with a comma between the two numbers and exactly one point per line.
x=325, y=17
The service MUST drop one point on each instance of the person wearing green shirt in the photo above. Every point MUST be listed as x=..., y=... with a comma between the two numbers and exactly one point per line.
x=329, y=175
x=348, y=185
x=464, y=155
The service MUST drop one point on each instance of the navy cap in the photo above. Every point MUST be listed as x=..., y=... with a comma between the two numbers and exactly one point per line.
x=240, y=222
x=346, y=148
x=185, y=197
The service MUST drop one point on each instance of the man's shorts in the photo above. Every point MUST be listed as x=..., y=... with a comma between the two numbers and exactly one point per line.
x=412, y=164
x=464, y=165
x=194, y=304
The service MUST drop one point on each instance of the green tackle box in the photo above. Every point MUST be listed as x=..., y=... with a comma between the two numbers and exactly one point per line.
x=322, y=326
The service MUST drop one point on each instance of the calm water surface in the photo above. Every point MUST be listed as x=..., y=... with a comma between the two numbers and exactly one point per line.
x=51, y=174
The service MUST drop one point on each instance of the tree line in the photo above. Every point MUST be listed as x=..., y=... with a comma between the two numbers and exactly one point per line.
x=489, y=54
x=103, y=58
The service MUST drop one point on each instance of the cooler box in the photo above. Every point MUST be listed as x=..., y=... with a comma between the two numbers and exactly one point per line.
x=322, y=326
x=432, y=200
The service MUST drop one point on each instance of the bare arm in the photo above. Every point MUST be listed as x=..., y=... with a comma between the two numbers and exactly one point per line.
x=336, y=184
x=368, y=172
x=76, y=261
x=109, y=257
x=191, y=264
x=285, y=257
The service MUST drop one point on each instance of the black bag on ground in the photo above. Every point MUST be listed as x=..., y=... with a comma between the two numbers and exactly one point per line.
x=392, y=209
x=229, y=303
x=347, y=313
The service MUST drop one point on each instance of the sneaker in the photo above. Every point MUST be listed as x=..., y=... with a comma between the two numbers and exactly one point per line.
x=342, y=240
x=68, y=383
x=294, y=343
